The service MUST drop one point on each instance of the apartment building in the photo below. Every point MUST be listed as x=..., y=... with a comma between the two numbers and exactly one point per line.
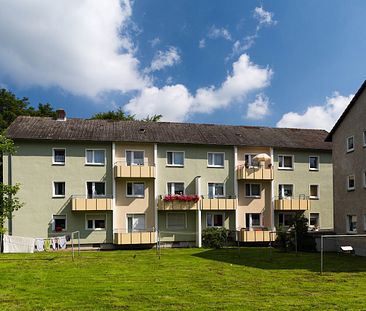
x=132, y=182
x=348, y=138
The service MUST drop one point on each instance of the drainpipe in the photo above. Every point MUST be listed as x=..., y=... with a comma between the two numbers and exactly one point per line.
x=114, y=217
x=236, y=186
x=272, y=193
x=10, y=183
x=199, y=213
x=156, y=197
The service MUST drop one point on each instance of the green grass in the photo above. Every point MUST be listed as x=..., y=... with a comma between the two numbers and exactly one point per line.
x=182, y=279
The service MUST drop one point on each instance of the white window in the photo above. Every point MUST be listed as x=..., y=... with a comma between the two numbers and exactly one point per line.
x=95, y=189
x=285, y=191
x=364, y=138
x=175, y=188
x=215, y=159
x=249, y=161
x=253, y=190
x=95, y=156
x=134, y=158
x=351, y=184
x=314, y=191
x=58, y=156
x=175, y=158
x=285, y=219
x=215, y=190
x=59, y=223
x=314, y=220
x=350, y=143
x=285, y=162
x=58, y=189
x=136, y=222
x=215, y=219
x=252, y=220
x=351, y=223
x=176, y=221
x=135, y=189
x=313, y=163
x=95, y=222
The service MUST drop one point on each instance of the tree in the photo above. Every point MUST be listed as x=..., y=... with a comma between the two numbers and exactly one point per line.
x=120, y=115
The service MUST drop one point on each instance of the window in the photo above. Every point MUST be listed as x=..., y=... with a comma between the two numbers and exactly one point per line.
x=252, y=220
x=285, y=162
x=95, y=157
x=59, y=223
x=285, y=219
x=175, y=158
x=314, y=192
x=134, y=158
x=350, y=144
x=95, y=222
x=215, y=219
x=175, y=188
x=136, y=222
x=215, y=159
x=364, y=179
x=313, y=163
x=135, y=189
x=176, y=221
x=58, y=157
x=285, y=191
x=59, y=189
x=215, y=190
x=249, y=161
x=364, y=138
x=253, y=190
x=351, y=223
x=314, y=220
x=351, y=184
x=95, y=189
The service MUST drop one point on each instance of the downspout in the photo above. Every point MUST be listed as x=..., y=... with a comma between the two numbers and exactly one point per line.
x=272, y=192
x=114, y=217
x=10, y=183
x=156, y=196
x=199, y=212
x=236, y=193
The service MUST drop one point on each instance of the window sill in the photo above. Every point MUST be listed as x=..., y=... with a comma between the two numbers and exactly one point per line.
x=253, y=196
x=215, y=166
x=314, y=169
x=351, y=190
x=313, y=198
x=285, y=168
x=351, y=150
x=88, y=229
x=135, y=196
x=94, y=164
x=351, y=232
x=174, y=165
x=58, y=164
x=58, y=196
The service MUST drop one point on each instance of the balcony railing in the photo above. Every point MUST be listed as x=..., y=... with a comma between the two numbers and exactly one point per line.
x=257, y=235
x=80, y=203
x=127, y=170
x=220, y=204
x=300, y=203
x=262, y=172
x=172, y=205
x=137, y=237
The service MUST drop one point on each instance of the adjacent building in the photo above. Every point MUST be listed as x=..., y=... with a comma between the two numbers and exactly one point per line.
x=132, y=182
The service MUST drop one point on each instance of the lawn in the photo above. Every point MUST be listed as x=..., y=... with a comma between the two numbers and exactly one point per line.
x=182, y=279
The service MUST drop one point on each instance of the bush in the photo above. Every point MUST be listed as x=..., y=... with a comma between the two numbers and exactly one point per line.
x=214, y=237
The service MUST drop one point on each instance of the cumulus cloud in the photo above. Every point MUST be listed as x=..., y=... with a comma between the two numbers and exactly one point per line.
x=154, y=42
x=80, y=46
x=258, y=109
x=215, y=33
x=318, y=116
x=202, y=44
x=265, y=18
x=175, y=102
x=164, y=59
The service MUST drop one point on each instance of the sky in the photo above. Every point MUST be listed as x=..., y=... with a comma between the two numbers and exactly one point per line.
x=267, y=63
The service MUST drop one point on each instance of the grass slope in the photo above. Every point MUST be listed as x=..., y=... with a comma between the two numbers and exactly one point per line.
x=182, y=279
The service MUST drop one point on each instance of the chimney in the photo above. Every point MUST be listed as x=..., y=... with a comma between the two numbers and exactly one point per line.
x=60, y=115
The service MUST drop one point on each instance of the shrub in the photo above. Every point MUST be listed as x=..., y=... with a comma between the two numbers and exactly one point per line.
x=214, y=237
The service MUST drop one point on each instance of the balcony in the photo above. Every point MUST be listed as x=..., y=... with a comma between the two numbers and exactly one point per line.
x=255, y=172
x=121, y=169
x=130, y=238
x=177, y=204
x=301, y=203
x=257, y=236
x=83, y=204
x=219, y=204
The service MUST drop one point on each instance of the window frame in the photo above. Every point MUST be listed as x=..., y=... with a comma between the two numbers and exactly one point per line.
x=250, y=156
x=133, y=195
x=173, y=183
x=347, y=145
x=173, y=164
x=283, y=215
x=94, y=163
x=354, y=183
x=292, y=162
x=348, y=224
x=53, y=157
x=213, y=158
x=132, y=215
x=317, y=197
x=93, y=187
x=318, y=218
x=213, y=214
x=285, y=197
x=54, y=223
x=250, y=187
x=132, y=157
x=250, y=215
x=216, y=196
x=54, y=195
x=93, y=218
x=318, y=162
x=175, y=228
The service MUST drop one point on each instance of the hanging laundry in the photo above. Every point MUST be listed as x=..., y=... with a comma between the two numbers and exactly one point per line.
x=62, y=242
x=39, y=245
x=17, y=244
x=54, y=244
x=47, y=245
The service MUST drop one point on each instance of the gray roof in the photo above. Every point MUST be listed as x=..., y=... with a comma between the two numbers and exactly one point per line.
x=40, y=128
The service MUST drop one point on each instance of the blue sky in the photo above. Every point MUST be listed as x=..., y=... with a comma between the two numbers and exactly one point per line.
x=271, y=63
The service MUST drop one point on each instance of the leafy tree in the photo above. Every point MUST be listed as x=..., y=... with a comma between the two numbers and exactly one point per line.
x=120, y=115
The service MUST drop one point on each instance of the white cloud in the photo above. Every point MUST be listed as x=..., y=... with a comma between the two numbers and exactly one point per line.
x=81, y=46
x=215, y=33
x=258, y=109
x=165, y=59
x=202, y=44
x=154, y=42
x=264, y=17
x=175, y=102
x=318, y=116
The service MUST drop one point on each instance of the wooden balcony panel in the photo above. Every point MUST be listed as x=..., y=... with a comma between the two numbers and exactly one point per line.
x=255, y=173
x=176, y=205
x=220, y=204
x=86, y=205
x=292, y=204
x=257, y=236
x=134, y=171
x=132, y=238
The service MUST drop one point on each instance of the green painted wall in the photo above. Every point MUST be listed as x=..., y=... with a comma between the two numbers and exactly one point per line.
x=182, y=235
x=301, y=177
x=33, y=169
